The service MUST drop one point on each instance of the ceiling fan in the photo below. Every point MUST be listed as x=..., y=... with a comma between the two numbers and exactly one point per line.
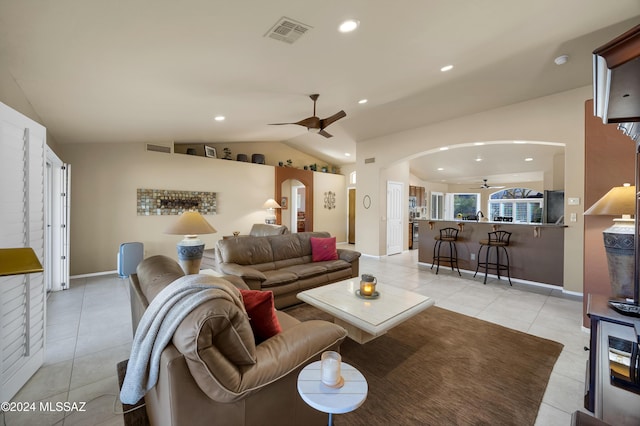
x=315, y=123
x=485, y=185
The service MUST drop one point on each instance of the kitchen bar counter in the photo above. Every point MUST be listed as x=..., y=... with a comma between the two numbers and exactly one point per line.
x=536, y=250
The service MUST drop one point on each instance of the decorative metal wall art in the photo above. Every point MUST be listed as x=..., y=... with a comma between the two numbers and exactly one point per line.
x=329, y=200
x=157, y=202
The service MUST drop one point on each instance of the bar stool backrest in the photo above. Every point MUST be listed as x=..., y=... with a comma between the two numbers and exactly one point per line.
x=449, y=234
x=499, y=237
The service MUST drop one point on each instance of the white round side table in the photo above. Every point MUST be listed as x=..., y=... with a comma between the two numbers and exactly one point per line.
x=332, y=400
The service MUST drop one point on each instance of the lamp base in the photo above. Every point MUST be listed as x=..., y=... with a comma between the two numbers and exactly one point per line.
x=619, y=246
x=190, y=255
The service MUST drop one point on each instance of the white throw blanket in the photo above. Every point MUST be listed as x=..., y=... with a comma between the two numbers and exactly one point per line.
x=156, y=328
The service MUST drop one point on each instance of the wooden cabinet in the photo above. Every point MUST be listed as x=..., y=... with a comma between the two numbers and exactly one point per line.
x=418, y=192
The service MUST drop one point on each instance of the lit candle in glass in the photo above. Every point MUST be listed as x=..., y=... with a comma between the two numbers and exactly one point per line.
x=367, y=288
x=330, y=368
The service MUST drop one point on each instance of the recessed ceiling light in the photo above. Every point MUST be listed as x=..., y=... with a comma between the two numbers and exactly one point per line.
x=528, y=159
x=440, y=169
x=346, y=154
x=348, y=26
x=561, y=60
x=446, y=68
x=219, y=118
x=363, y=101
x=444, y=148
x=478, y=159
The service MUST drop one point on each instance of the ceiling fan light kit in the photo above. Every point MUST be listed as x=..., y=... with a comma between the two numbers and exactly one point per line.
x=314, y=123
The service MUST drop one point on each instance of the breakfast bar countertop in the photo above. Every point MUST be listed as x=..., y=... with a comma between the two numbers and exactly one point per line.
x=536, y=250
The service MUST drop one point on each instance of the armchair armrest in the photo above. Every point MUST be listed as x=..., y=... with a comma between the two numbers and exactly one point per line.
x=275, y=358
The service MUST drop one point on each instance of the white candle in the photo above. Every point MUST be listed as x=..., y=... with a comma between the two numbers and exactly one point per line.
x=330, y=368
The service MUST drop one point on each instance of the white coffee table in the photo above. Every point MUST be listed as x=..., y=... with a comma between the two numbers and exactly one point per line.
x=366, y=319
x=332, y=400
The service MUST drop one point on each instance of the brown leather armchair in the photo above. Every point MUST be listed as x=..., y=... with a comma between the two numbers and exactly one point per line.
x=214, y=374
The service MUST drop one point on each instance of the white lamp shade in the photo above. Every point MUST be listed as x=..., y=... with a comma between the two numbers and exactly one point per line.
x=620, y=200
x=271, y=204
x=190, y=223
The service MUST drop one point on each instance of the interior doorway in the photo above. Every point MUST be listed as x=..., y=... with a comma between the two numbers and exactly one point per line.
x=298, y=207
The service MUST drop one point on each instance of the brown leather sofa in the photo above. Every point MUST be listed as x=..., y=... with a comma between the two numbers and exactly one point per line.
x=283, y=264
x=213, y=373
x=209, y=260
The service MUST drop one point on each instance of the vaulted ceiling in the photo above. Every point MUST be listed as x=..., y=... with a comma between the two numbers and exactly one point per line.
x=160, y=70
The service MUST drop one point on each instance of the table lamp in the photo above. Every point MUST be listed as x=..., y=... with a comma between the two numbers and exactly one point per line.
x=190, y=249
x=271, y=205
x=19, y=261
x=619, y=238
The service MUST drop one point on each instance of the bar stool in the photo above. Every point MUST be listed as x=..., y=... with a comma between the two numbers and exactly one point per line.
x=450, y=236
x=498, y=240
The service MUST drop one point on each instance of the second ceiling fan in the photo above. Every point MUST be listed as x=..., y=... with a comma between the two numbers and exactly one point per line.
x=485, y=185
x=316, y=123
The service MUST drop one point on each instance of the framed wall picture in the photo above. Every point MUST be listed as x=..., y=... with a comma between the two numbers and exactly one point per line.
x=210, y=152
x=284, y=203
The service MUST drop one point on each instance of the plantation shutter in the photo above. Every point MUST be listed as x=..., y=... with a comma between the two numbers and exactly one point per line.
x=22, y=297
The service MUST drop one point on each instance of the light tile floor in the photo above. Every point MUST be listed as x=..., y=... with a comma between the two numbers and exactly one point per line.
x=89, y=332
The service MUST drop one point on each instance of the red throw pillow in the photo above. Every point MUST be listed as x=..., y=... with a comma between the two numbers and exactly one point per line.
x=323, y=249
x=262, y=314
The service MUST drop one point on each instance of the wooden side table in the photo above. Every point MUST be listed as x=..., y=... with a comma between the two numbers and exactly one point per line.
x=332, y=400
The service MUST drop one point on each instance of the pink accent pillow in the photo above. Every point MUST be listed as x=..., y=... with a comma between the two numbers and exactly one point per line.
x=262, y=314
x=323, y=249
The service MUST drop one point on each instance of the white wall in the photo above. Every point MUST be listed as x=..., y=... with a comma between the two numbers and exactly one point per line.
x=105, y=178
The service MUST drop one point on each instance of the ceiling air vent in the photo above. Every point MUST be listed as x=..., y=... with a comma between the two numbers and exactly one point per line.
x=287, y=30
x=159, y=148
x=369, y=160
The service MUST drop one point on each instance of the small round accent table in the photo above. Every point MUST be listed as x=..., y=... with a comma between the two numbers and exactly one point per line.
x=332, y=400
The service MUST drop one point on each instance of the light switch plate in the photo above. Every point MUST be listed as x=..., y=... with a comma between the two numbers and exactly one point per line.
x=573, y=201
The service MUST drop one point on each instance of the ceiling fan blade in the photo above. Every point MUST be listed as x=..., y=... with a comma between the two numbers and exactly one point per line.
x=310, y=123
x=325, y=134
x=335, y=117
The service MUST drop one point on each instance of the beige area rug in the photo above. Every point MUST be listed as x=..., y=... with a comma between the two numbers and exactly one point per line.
x=444, y=368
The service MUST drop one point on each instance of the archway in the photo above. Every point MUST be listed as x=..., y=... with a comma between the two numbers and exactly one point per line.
x=284, y=174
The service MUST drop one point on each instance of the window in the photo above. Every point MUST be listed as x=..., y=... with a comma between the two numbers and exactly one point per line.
x=462, y=205
x=518, y=204
x=437, y=205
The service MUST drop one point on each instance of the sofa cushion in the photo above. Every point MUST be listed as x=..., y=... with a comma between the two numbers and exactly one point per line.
x=278, y=277
x=285, y=247
x=245, y=251
x=262, y=314
x=334, y=265
x=323, y=249
x=306, y=270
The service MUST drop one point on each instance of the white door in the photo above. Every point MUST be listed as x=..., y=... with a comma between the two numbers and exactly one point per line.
x=22, y=297
x=57, y=229
x=394, y=217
